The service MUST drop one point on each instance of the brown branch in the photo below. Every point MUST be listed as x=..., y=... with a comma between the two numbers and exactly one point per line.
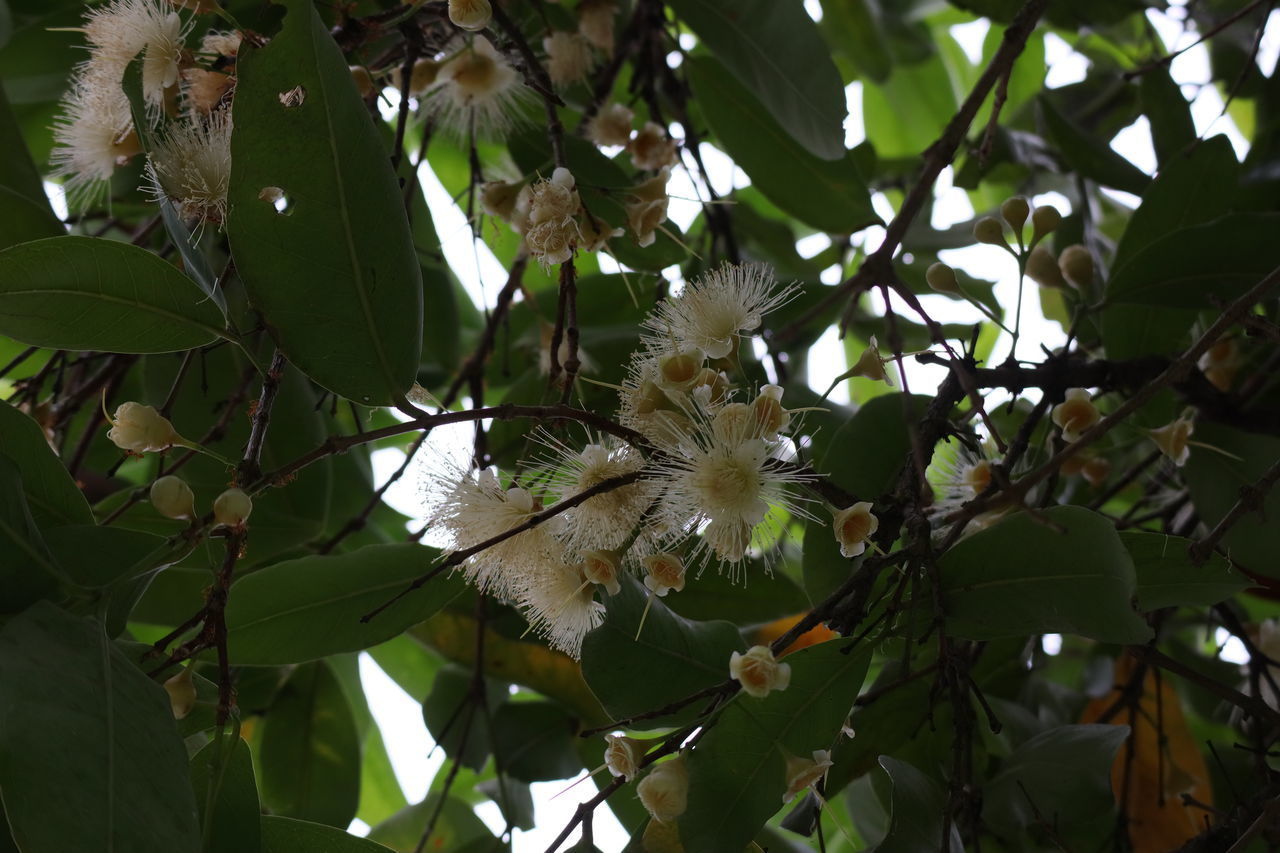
x=249, y=468
x=1251, y=498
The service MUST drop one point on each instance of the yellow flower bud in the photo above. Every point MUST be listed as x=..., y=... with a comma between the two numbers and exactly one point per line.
x=182, y=693
x=1220, y=363
x=498, y=198
x=870, y=364
x=603, y=568
x=363, y=80
x=424, y=73
x=172, y=497
x=989, y=230
x=141, y=429
x=470, y=15
x=232, y=507
x=853, y=526
x=769, y=416
x=1077, y=266
x=665, y=573
x=803, y=772
x=1015, y=212
x=1043, y=268
x=1044, y=221
x=759, y=672
x=1096, y=470
x=1174, y=439
x=622, y=755
x=1076, y=414
x=942, y=278
x=665, y=790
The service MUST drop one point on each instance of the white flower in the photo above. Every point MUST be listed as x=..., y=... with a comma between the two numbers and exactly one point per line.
x=192, y=166
x=559, y=602
x=622, y=755
x=759, y=672
x=612, y=125
x=551, y=232
x=476, y=92
x=768, y=416
x=470, y=15
x=568, y=57
x=595, y=22
x=1174, y=440
x=603, y=568
x=182, y=693
x=665, y=573
x=141, y=429
x=604, y=521
x=803, y=772
x=205, y=89
x=1076, y=414
x=648, y=208
x=664, y=791
x=117, y=31
x=715, y=309
x=870, y=364
x=651, y=149
x=92, y=136
x=853, y=526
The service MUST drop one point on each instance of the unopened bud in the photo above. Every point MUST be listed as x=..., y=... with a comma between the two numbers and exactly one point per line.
x=141, y=429
x=1043, y=268
x=769, y=416
x=1096, y=470
x=470, y=15
x=498, y=198
x=182, y=693
x=424, y=73
x=364, y=82
x=664, y=791
x=1044, y=221
x=1076, y=414
x=1015, y=212
x=172, y=497
x=942, y=278
x=622, y=755
x=232, y=507
x=1077, y=266
x=989, y=230
x=870, y=364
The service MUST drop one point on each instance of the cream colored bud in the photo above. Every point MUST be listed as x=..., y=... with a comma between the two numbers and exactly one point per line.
x=1174, y=440
x=472, y=15
x=363, y=80
x=232, y=507
x=612, y=125
x=1220, y=363
x=182, y=693
x=498, y=198
x=853, y=526
x=603, y=569
x=622, y=755
x=717, y=387
x=942, y=278
x=977, y=477
x=172, y=498
x=681, y=368
x=989, y=230
x=1015, y=212
x=141, y=429
x=664, y=791
x=1044, y=221
x=768, y=415
x=424, y=74
x=1076, y=414
x=665, y=573
x=1096, y=470
x=651, y=149
x=1043, y=268
x=734, y=422
x=870, y=364
x=804, y=772
x=759, y=672
x=1077, y=266
x=595, y=22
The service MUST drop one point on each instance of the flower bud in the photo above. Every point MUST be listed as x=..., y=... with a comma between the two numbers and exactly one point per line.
x=422, y=76
x=1015, y=212
x=680, y=368
x=470, y=15
x=989, y=230
x=759, y=672
x=1044, y=221
x=1043, y=268
x=363, y=80
x=622, y=755
x=232, y=507
x=769, y=416
x=172, y=498
x=498, y=198
x=976, y=477
x=665, y=573
x=1220, y=363
x=803, y=772
x=612, y=125
x=942, y=278
x=734, y=422
x=853, y=526
x=717, y=387
x=1174, y=439
x=595, y=22
x=1096, y=470
x=1077, y=266
x=603, y=568
x=870, y=364
x=141, y=429
x=1076, y=414
x=182, y=693
x=665, y=790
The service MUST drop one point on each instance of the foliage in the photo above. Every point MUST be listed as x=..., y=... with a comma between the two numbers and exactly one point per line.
x=1008, y=584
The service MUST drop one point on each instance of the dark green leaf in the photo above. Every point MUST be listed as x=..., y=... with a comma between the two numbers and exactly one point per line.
x=737, y=772
x=775, y=49
x=1216, y=480
x=17, y=173
x=28, y=572
x=830, y=195
x=1167, y=577
x=53, y=495
x=87, y=293
x=673, y=657
x=96, y=556
x=1172, y=129
x=1081, y=580
x=310, y=752
x=286, y=835
x=22, y=220
x=227, y=768
x=533, y=741
x=895, y=717
x=866, y=453
x=335, y=274
x=82, y=727
x=380, y=793
x=1089, y=155
x=409, y=663
x=310, y=607
x=456, y=720
x=456, y=826
x=916, y=810
x=854, y=28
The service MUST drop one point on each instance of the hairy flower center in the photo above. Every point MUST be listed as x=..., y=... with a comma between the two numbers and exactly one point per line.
x=728, y=484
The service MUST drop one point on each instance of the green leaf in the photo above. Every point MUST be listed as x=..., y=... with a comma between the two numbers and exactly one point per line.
x=854, y=27
x=905, y=114
x=1090, y=156
x=286, y=835
x=310, y=607
x=95, y=556
x=82, y=727
x=228, y=784
x=410, y=664
x=830, y=194
x=1172, y=129
x=1201, y=266
x=335, y=275
x=310, y=751
x=1065, y=772
x=53, y=495
x=1081, y=580
x=1216, y=480
x=775, y=49
x=533, y=741
x=867, y=452
x=737, y=772
x=916, y=807
x=18, y=173
x=673, y=658
x=380, y=793
x=456, y=721
x=28, y=572
x=1167, y=577
x=895, y=717
x=87, y=293
x=456, y=827
x=22, y=220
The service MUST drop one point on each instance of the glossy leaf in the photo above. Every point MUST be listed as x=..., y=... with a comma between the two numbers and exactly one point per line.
x=533, y=741
x=310, y=607
x=986, y=594
x=1167, y=577
x=28, y=571
x=100, y=722
x=22, y=220
x=286, y=835
x=227, y=769
x=1216, y=479
x=87, y=293
x=737, y=771
x=310, y=750
x=916, y=807
x=53, y=495
x=95, y=556
x=673, y=657
x=334, y=274
x=1088, y=155
x=456, y=827
x=775, y=49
